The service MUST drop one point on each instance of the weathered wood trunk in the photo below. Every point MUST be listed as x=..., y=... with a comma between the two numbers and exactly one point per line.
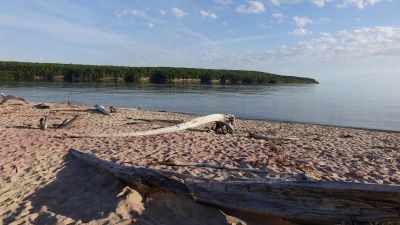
x=226, y=118
x=305, y=202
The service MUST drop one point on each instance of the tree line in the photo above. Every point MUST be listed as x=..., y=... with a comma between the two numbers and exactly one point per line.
x=27, y=71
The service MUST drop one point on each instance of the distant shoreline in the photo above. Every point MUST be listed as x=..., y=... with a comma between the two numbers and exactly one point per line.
x=28, y=71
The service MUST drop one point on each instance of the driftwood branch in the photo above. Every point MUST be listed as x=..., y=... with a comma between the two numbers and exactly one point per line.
x=208, y=165
x=67, y=123
x=43, y=123
x=6, y=98
x=266, y=137
x=305, y=202
x=165, y=130
x=102, y=110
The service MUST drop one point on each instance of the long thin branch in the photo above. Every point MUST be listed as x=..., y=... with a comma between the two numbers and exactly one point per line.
x=208, y=165
x=265, y=137
x=67, y=123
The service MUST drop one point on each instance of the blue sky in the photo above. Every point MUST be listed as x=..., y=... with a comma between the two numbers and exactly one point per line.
x=329, y=40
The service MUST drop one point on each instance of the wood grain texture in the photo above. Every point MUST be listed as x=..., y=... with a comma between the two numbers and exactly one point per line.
x=305, y=202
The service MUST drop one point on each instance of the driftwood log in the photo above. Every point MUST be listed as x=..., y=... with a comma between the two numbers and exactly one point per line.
x=304, y=202
x=225, y=118
x=102, y=110
x=6, y=98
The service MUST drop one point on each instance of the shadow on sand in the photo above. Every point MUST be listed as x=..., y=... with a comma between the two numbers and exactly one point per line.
x=85, y=194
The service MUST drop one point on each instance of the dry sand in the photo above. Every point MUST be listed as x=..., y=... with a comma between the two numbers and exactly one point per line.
x=41, y=184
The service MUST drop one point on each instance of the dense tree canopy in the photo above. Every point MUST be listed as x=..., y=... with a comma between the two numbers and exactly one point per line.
x=26, y=71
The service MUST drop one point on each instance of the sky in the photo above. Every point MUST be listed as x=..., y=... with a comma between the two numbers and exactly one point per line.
x=330, y=40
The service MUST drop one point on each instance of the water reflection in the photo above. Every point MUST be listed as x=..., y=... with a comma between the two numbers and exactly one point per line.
x=370, y=106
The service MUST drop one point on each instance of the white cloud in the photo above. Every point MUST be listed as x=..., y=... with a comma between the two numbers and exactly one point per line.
x=279, y=17
x=151, y=25
x=208, y=15
x=358, y=3
x=279, y=2
x=163, y=12
x=133, y=12
x=361, y=42
x=178, y=13
x=301, y=32
x=223, y=2
x=253, y=7
x=301, y=22
x=319, y=3
x=324, y=20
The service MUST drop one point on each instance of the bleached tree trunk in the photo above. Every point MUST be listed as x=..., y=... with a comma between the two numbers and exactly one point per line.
x=225, y=118
x=305, y=202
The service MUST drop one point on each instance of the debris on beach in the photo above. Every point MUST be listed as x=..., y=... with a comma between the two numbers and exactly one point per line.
x=6, y=98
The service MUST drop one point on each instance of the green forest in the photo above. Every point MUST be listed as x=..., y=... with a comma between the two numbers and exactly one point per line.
x=27, y=71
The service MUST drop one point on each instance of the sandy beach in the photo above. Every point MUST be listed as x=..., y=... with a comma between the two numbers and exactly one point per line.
x=41, y=184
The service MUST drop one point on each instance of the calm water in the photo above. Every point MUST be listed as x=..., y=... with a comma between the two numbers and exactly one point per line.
x=369, y=106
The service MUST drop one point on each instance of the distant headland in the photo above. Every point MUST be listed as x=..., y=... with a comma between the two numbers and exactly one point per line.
x=28, y=71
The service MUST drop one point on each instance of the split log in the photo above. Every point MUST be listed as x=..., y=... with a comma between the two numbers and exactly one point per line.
x=102, y=110
x=165, y=130
x=265, y=137
x=43, y=123
x=67, y=123
x=6, y=98
x=304, y=202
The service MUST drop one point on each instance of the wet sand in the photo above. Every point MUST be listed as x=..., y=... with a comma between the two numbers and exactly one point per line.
x=41, y=184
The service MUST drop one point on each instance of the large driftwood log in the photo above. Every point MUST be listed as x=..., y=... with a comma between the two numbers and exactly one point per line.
x=226, y=118
x=305, y=202
x=6, y=98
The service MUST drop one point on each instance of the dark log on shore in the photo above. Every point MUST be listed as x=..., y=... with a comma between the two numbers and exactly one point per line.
x=304, y=202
